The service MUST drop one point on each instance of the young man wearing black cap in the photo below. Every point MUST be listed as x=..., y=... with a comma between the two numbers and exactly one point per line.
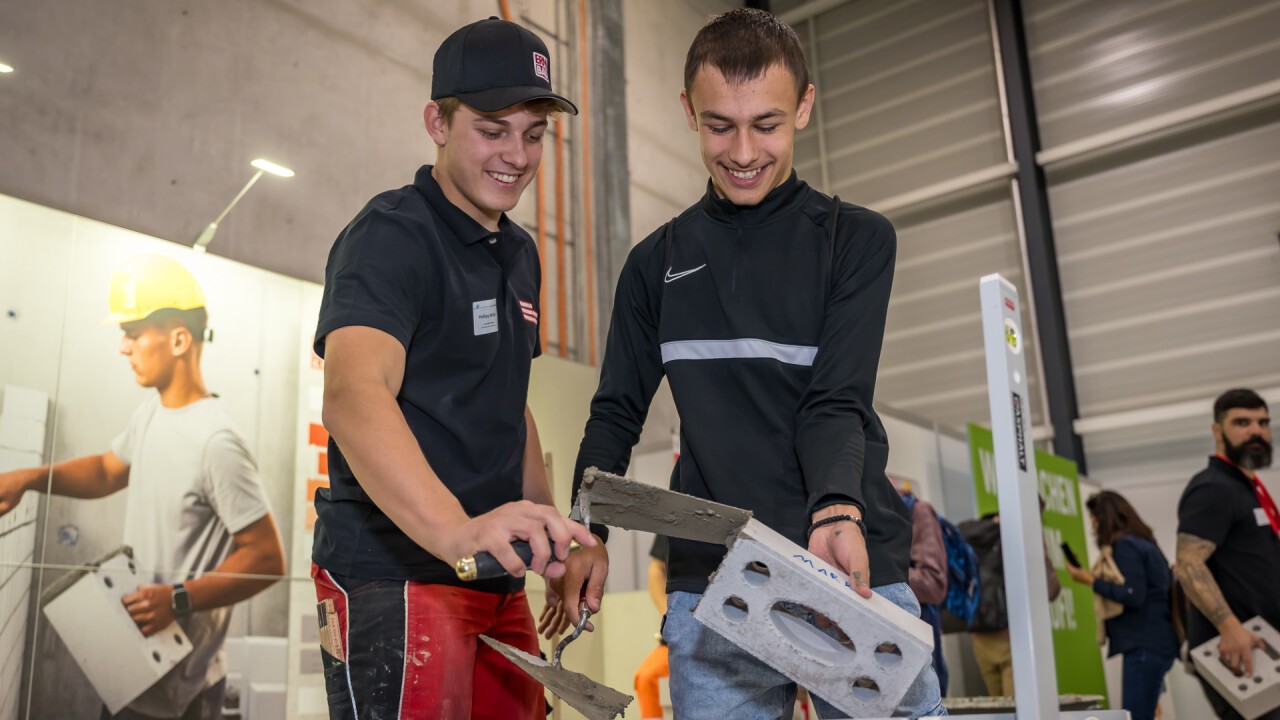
x=427, y=327
x=764, y=305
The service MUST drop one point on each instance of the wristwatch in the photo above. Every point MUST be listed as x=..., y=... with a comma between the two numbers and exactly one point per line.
x=181, y=601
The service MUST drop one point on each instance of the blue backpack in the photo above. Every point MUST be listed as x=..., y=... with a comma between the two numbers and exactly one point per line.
x=963, y=589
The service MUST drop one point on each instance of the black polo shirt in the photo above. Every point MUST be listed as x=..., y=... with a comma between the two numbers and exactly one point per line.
x=463, y=301
x=1219, y=505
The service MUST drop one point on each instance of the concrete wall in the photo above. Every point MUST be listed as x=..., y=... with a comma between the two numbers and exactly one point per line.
x=146, y=114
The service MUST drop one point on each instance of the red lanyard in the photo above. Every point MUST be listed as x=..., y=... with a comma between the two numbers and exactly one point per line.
x=1264, y=498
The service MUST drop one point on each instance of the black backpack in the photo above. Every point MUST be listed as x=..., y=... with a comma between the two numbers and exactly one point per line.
x=983, y=535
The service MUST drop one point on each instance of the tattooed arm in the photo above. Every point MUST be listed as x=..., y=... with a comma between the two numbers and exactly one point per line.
x=1237, y=643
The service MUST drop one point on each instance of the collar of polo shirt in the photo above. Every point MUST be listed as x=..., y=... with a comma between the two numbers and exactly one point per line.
x=462, y=225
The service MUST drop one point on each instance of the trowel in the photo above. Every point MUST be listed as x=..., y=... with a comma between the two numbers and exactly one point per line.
x=594, y=700
x=616, y=501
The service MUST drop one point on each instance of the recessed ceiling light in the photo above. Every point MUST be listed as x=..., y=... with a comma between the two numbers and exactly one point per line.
x=5, y=68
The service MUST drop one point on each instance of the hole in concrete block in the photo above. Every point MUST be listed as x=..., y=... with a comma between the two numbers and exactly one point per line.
x=866, y=690
x=735, y=609
x=1243, y=687
x=812, y=632
x=177, y=639
x=155, y=655
x=756, y=573
x=888, y=654
x=107, y=581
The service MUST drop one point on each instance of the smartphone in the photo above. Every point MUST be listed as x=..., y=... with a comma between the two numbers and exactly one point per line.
x=1072, y=560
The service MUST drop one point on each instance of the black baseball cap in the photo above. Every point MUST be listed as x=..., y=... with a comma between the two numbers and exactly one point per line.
x=493, y=64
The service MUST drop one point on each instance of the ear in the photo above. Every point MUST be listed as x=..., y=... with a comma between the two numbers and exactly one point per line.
x=689, y=115
x=1217, y=432
x=180, y=341
x=805, y=107
x=437, y=126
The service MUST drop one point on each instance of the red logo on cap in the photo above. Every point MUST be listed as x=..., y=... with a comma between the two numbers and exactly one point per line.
x=542, y=66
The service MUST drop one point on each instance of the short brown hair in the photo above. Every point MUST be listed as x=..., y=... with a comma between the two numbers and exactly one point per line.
x=195, y=320
x=743, y=44
x=544, y=106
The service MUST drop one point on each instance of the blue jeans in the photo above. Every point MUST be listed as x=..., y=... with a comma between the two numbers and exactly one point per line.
x=1143, y=680
x=711, y=677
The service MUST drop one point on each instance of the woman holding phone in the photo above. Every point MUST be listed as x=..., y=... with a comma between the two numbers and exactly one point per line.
x=1140, y=627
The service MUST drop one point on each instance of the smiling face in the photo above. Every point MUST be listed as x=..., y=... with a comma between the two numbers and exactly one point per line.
x=486, y=160
x=747, y=129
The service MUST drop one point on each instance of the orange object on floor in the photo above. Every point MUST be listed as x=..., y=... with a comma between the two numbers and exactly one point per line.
x=653, y=669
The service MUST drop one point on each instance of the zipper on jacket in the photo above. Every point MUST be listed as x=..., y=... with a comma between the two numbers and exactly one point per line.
x=733, y=268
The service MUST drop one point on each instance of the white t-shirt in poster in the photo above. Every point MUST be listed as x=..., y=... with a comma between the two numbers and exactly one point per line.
x=192, y=485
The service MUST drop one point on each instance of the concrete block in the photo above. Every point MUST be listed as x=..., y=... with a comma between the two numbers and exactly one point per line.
x=757, y=599
x=20, y=402
x=265, y=701
x=17, y=460
x=233, y=648
x=267, y=659
x=119, y=662
x=22, y=434
x=1251, y=696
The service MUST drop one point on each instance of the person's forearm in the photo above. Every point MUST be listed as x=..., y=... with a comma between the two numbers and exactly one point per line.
x=85, y=477
x=658, y=584
x=221, y=587
x=1198, y=583
x=368, y=426
x=537, y=487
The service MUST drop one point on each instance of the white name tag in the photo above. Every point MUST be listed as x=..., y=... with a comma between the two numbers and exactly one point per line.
x=1261, y=516
x=484, y=315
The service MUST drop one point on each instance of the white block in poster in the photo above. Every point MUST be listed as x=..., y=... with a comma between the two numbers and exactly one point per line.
x=106, y=644
x=264, y=702
x=1251, y=696
x=22, y=434
x=267, y=659
x=17, y=460
x=24, y=403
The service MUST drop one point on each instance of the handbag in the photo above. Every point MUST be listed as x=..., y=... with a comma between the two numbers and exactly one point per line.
x=1104, y=568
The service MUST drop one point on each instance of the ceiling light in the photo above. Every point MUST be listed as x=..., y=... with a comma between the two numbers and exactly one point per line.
x=5, y=68
x=272, y=168
x=206, y=235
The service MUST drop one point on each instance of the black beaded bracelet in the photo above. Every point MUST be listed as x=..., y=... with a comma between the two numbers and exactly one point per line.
x=835, y=519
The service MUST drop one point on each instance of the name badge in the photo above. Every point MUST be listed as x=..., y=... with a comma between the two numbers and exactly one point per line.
x=484, y=316
x=1261, y=516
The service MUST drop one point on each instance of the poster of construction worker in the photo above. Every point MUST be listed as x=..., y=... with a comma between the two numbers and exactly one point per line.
x=139, y=424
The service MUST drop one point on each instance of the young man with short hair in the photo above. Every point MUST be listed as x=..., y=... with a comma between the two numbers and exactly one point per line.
x=196, y=515
x=1228, y=556
x=764, y=305
x=428, y=326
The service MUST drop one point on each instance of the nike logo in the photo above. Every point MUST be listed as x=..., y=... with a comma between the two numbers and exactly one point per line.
x=676, y=276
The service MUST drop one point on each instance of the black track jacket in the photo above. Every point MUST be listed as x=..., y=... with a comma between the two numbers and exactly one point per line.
x=770, y=336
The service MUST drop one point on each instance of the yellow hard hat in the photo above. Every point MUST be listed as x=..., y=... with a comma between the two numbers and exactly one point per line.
x=144, y=284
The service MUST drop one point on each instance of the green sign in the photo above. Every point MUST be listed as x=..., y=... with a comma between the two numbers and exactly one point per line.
x=1075, y=646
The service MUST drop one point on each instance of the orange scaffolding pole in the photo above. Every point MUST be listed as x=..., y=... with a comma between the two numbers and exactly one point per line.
x=586, y=184
x=561, y=324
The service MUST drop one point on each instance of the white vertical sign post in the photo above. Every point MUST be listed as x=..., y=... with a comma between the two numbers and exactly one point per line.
x=1021, y=537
